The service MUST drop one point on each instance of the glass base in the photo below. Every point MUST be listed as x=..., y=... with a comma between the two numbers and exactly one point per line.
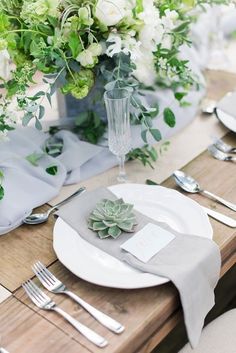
x=122, y=178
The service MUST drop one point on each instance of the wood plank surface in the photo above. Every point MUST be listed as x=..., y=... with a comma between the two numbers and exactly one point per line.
x=23, y=331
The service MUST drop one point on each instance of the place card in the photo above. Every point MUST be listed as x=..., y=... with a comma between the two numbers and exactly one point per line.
x=148, y=242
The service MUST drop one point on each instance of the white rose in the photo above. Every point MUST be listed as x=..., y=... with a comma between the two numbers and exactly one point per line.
x=110, y=12
x=4, y=65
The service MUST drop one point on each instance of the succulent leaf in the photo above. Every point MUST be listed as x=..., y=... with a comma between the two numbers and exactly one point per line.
x=111, y=218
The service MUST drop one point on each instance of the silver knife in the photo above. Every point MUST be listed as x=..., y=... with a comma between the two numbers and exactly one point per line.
x=230, y=222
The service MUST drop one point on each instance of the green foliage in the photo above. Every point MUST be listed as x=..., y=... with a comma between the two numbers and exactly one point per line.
x=148, y=154
x=111, y=218
x=2, y=191
x=52, y=170
x=89, y=126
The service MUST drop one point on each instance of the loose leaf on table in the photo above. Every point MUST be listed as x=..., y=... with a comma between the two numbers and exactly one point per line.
x=169, y=117
x=52, y=170
x=34, y=158
x=1, y=192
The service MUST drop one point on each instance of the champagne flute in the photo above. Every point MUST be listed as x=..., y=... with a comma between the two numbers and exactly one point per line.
x=117, y=103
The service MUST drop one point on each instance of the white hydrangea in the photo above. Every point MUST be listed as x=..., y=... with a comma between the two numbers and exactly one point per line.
x=5, y=65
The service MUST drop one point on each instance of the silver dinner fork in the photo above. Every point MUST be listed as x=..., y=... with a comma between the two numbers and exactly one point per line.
x=222, y=156
x=40, y=299
x=54, y=285
x=224, y=147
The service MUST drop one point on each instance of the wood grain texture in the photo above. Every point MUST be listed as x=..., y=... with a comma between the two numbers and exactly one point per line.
x=23, y=331
x=21, y=248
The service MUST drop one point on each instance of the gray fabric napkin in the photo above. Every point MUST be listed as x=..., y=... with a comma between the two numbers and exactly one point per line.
x=192, y=263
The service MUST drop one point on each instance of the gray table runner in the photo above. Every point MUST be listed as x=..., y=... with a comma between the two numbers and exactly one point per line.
x=192, y=263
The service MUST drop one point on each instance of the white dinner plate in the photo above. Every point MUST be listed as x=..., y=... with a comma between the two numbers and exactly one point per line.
x=159, y=203
x=226, y=110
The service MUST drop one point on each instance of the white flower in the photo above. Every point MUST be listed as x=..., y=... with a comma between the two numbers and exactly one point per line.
x=88, y=57
x=128, y=45
x=145, y=70
x=169, y=19
x=110, y=12
x=4, y=65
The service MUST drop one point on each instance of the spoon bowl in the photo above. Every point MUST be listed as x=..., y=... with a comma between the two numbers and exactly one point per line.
x=186, y=182
x=38, y=218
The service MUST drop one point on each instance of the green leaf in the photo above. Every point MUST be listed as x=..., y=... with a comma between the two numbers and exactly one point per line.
x=180, y=95
x=156, y=134
x=34, y=158
x=169, y=117
x=150, y=182
x=38, y=125
x=114, y=232
x=52, y=170
x=99, y=226
x=103, y=234
x=74, y=44
x=144, y=135
x=1, y=192
x=41, y=111
x=26, y=119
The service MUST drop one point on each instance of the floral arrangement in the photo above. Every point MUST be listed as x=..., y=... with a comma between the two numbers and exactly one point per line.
x=73, y=43
x=111, y=218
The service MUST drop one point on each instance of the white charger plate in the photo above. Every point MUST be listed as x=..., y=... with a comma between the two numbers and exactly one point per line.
x=159, y=203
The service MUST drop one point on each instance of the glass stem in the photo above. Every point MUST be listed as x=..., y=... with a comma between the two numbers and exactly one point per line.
x=122, y=172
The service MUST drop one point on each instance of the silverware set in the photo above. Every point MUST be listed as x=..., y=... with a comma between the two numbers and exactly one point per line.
x=222, y=151
x=189, y=184
x=54, y=285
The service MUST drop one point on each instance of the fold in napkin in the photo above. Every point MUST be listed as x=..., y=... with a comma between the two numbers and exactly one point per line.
x=191, y=262
x=27, y=186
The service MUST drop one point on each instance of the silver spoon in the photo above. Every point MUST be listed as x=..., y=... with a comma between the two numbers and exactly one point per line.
x=37, y=218
x=189, y=184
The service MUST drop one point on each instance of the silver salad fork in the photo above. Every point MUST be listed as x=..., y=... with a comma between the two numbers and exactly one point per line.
x=40, y=299
x=54, y=285
x=222, y=156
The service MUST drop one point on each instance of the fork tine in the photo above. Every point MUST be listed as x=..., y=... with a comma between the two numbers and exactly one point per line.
x=41, y=275
x=31, y=294
x=39, y=291
x=44, y=268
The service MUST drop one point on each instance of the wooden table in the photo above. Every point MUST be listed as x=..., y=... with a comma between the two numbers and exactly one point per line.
x=148, y=314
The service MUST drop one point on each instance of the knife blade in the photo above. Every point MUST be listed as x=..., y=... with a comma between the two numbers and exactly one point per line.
x=230, y=222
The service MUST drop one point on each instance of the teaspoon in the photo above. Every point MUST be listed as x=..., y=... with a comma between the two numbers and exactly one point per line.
x=37, y=218
x=187, y=183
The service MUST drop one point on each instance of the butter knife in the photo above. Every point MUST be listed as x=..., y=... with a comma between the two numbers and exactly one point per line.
x=230, y=222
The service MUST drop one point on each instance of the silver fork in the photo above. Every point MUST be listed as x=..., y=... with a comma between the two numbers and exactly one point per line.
x=222, y=156
x=54, y=285
x=224, y=147
x=40, y=299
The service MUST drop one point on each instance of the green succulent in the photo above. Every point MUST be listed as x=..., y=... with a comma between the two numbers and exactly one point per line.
x=111, y=218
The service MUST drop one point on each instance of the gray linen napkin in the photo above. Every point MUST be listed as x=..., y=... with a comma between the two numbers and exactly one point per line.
x=192, y=263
